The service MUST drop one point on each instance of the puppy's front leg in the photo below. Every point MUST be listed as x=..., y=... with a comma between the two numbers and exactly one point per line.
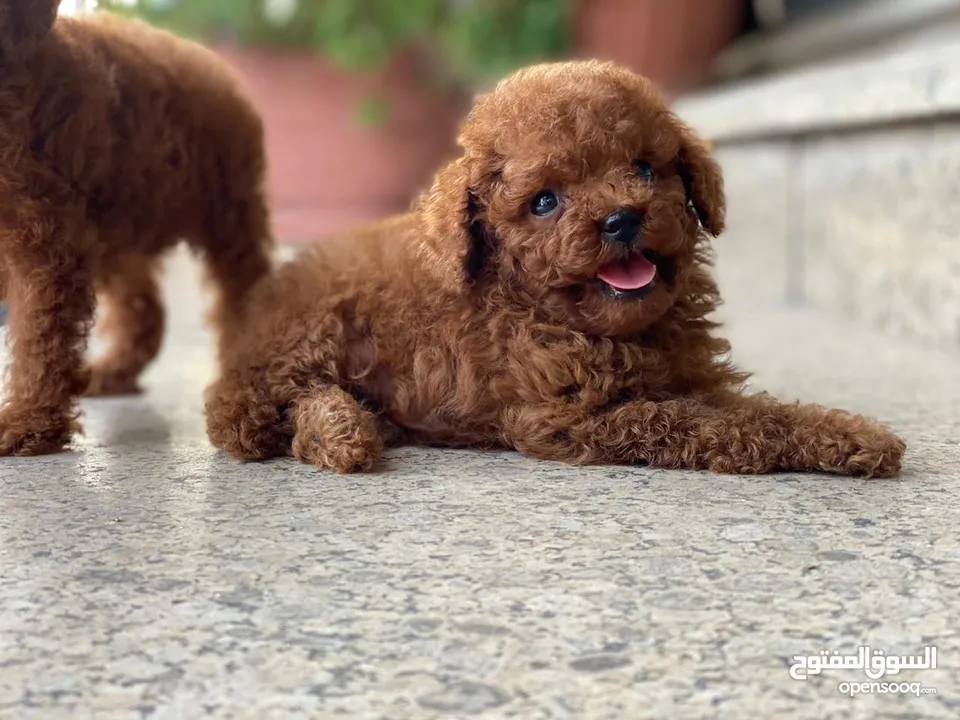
x=334, y=431
x=735, y=434
x=51, y=309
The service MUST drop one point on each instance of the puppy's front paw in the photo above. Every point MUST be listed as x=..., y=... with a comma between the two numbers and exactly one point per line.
x=334, y=432
x=27, y=433
x=344, y=455
x=862, y=447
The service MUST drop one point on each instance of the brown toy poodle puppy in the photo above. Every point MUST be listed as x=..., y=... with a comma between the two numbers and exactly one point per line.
x=118, y=141
x=551, y=293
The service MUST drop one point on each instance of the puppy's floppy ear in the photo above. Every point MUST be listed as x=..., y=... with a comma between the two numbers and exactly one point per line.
x=26, y=21
x=702, y=179
x=452, y=238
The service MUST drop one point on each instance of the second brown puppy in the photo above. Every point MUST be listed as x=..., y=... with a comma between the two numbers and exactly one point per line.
x=118, y=141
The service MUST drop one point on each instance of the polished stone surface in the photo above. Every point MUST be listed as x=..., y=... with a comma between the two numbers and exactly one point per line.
x=755, y=255
x=146, y=576
x=862, y=226
x=919, y=78
x=842, y=186
x=880, y=218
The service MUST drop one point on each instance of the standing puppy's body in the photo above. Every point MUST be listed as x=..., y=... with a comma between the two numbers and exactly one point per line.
x=118, y=141
x=550, y=293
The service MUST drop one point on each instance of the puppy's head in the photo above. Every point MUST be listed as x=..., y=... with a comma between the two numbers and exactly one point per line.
x=579, y=193
x=25, y=22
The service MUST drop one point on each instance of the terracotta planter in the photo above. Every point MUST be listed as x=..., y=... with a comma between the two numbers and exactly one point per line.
x=328, y=171
x=670, y=41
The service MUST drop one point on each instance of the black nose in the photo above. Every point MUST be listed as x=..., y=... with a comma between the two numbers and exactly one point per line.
x=622, y=225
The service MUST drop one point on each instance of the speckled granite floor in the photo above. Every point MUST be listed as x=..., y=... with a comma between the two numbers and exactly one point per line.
x=145, y=576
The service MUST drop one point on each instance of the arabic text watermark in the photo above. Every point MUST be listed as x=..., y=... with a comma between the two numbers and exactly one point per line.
x=875, y=664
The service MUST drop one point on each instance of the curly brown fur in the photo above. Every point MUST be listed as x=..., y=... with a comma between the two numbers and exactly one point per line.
x=475, y=322
x=118, y=141
x=333, y=431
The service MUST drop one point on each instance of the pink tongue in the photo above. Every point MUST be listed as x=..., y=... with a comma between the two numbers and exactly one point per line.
x=632, y=274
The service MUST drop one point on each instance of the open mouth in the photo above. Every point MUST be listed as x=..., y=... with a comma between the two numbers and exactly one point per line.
x=635, y=275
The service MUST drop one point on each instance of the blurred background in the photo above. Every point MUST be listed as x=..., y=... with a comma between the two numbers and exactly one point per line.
x=362, y=97
x=833, y=120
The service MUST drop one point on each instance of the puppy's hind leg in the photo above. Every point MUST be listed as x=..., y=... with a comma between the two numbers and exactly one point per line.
x=333, y=431
x=244, y=421
x=134, y=322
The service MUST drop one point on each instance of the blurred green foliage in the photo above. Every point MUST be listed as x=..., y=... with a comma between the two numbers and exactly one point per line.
x=468, y=42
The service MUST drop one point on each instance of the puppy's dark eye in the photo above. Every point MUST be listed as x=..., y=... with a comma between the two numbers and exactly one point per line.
x=544, y=203
x=644, y=170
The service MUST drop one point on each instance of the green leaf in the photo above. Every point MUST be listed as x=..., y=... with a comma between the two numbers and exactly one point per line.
x=373, y=111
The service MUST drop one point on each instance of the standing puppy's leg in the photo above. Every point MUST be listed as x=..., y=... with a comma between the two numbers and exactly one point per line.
x=51, y=305
x=334, y=432
x=134, y=321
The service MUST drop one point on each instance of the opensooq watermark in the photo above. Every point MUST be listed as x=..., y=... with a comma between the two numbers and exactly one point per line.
x=875, y=664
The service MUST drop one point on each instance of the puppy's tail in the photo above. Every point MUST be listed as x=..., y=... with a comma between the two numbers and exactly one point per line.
x=25, y=22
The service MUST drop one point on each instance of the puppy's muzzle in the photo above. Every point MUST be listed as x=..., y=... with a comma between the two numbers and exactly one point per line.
x=634, y=272
x=622, y=226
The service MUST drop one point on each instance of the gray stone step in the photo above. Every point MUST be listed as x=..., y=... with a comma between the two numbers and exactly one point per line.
x=843, y=189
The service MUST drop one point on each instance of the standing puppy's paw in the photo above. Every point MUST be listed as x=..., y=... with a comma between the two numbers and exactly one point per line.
x=334, y=432
x=111, y=382
x=35, y=433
